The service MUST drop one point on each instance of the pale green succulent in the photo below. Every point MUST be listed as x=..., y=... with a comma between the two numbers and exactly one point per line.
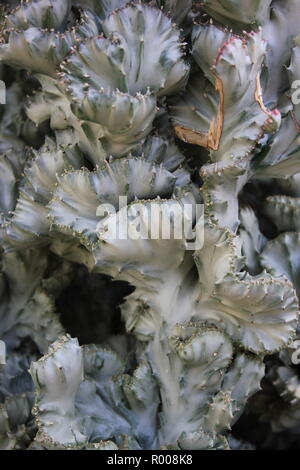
x=115, y=109
x=17, y=426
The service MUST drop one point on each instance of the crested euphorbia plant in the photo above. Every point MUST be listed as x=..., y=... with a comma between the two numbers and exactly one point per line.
x=115, y=109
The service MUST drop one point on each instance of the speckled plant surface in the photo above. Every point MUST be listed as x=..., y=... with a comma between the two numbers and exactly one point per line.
x=142, y=342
